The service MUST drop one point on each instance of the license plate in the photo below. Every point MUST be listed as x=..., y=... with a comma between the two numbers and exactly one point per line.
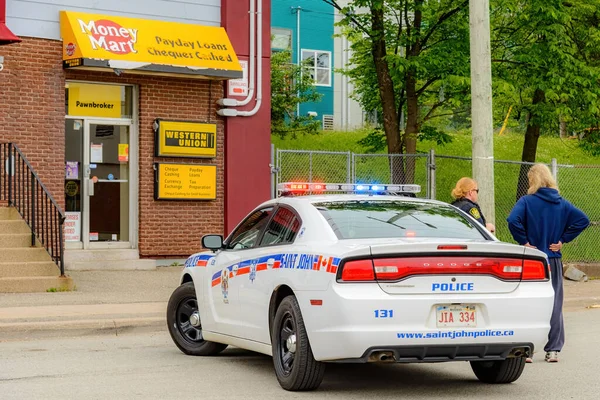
x=456, y=316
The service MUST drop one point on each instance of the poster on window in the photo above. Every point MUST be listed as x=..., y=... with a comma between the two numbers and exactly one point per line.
x=96, y=153
x=72, y=171
x=72, y=226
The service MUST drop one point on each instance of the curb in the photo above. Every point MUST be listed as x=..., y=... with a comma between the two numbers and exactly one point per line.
x=51, y=329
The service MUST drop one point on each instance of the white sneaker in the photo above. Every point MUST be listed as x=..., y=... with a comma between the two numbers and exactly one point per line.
x=552, y=356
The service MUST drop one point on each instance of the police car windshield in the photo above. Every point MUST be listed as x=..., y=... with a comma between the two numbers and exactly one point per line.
x=366, y=219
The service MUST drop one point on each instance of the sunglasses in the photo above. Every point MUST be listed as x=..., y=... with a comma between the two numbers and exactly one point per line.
x=477, y=190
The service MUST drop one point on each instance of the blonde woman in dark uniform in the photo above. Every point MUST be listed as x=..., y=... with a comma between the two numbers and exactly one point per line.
x=466, y=194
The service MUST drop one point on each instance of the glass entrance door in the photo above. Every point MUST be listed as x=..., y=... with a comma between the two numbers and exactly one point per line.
x=107, y=178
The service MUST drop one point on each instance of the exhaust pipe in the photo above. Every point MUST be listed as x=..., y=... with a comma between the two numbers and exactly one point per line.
x=382, y=356
x=519, y=352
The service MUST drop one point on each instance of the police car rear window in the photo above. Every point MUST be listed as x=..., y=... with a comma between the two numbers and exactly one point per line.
x=358, y=219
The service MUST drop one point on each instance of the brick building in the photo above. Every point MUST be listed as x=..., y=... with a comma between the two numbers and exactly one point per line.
x=117, y=112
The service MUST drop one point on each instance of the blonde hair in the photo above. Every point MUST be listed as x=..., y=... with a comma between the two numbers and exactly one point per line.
x=463, y=186
x=540, y=176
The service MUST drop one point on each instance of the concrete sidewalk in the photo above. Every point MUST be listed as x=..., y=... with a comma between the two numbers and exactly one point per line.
x=109, y=302
x=115, y=302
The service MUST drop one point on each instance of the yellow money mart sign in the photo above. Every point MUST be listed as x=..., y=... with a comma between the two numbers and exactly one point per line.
x=186, y=182
x=186, y=139
x=92, y=40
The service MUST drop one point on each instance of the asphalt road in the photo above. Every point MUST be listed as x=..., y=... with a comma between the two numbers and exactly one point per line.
x=146, y=365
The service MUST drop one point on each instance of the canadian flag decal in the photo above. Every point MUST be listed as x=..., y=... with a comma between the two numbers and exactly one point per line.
x=322, y=263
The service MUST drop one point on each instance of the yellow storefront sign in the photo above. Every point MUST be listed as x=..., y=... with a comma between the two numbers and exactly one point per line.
x=186, y=139
x=92, y=40
x=186, y=182
x=92, y=100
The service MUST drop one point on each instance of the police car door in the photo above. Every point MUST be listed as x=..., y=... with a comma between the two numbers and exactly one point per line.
x=255, y=289
x=230, y=268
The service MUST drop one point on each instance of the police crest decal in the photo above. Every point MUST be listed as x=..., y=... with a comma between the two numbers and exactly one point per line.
x=253, y=270
x=225, y=285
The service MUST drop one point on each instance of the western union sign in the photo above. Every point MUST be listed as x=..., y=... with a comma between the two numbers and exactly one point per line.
x=186, y=182
x=96, y=41
x=186, y=139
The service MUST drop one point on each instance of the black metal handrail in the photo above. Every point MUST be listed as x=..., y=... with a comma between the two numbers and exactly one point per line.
x=22, y=188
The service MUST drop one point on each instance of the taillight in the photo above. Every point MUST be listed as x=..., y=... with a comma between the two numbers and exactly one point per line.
x=534, y=270
x=399, y=268
x=358, y=270
x=393, y=269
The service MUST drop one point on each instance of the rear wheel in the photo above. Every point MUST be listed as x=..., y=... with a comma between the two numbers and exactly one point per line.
x=295, y=365
x=185, y=327
x=504, y=371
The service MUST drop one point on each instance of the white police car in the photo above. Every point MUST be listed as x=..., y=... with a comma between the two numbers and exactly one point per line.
x=363, y=277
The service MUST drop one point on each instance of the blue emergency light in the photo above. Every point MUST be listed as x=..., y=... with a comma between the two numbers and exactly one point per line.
x=305, y=188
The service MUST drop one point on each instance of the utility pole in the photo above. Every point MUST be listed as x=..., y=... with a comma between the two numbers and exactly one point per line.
x=481, y=106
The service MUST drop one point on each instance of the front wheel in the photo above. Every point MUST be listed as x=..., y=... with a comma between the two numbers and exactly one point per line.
x=295, y=365
x=504, y=371
x=183, y=320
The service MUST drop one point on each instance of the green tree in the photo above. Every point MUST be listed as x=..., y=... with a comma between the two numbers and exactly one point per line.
x=291, y=85
x=410, y=61
x=545, y=55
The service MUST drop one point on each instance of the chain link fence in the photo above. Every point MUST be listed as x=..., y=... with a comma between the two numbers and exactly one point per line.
x=437, y=175
x=391, y=168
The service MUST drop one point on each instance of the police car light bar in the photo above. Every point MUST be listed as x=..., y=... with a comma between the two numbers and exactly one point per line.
x=287, y=188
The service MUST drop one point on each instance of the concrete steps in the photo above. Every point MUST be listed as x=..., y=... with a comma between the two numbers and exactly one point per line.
x=24, y=254
x=14, y=226
x=32, y=284
x=23, y=268
x=8, y=240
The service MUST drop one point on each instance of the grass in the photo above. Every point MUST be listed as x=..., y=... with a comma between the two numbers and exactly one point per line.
x=578, y=185
x=60, y=289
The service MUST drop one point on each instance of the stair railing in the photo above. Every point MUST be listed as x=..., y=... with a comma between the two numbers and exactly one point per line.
x=22, y=188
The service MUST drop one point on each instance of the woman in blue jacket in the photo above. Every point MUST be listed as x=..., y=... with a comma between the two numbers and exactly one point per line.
x=544, y=220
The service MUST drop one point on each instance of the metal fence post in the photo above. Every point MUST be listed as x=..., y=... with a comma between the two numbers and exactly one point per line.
x=431, y=175
x=10, y=173
x=353, y=168
x=554, y=167
x=33, y=209
x=349, y=168
x=310, y=166
x=278, y=169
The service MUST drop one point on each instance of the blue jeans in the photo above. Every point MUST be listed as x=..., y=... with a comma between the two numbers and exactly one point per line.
x=556, y=336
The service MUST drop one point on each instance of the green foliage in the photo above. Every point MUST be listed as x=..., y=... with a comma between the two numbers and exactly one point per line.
x=553, y=46
x=374, y=142
x=429, y=133
x=434, y=49
x=591, y=142
x=290, y=85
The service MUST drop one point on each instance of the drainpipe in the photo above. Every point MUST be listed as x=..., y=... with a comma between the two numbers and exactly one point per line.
x=259, y=57
x=235, y=102
x=255, y=34
x=298, y=52
x=6, y=36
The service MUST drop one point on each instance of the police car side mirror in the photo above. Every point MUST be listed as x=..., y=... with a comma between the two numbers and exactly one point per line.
x=212, y=242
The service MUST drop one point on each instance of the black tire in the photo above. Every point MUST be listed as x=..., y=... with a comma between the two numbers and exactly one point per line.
x=295, y=366
x=182, y=305
x=504, y=371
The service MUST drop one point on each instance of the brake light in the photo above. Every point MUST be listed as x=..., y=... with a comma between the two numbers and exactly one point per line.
x=534, y=270
x=452, y=247
x=393, y=269
x=358, y=270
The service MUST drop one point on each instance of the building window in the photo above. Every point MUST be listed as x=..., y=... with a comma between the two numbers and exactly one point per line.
x=281, y=39
x=318, y=64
